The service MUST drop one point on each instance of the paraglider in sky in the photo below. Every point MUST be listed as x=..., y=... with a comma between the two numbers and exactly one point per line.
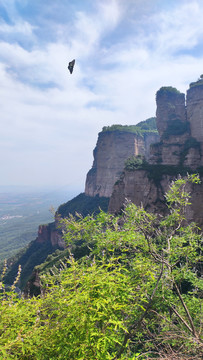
x=71, y=66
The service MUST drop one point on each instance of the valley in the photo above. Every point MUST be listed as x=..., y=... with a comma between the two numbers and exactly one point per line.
x=22, y=212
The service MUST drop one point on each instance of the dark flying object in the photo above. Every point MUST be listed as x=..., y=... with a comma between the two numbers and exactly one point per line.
x=71, y=66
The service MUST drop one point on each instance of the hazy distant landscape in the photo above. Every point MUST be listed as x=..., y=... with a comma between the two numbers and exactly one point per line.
x=22, y=212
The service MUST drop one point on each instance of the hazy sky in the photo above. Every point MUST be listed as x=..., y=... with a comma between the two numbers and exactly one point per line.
x=125, y=50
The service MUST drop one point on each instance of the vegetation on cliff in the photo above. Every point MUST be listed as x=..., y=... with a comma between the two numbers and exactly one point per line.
x=84, y=205
x=135, y=162
x=176, y=127
x=199, y=82
x=155, y=171
x=136, y=295
x=143, y=127
x=167, y=90
x=34, y=254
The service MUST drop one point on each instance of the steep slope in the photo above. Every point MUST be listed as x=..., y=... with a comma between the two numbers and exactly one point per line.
x=50, y=239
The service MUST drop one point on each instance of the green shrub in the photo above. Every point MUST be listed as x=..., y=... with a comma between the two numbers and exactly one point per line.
x=143, y=127
x=134, y=162
x=167, y=90
x=137, y=293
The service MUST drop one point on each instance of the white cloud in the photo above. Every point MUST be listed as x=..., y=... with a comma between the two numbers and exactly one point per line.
x=179, y=29
x=50, y=119
x=19, y=28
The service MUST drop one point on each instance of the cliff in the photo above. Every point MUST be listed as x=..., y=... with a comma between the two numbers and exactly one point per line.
x=114, y=146
x=179, y=151
x=135, y=163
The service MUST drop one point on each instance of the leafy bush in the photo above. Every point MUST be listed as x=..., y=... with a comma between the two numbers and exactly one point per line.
x=167, y=90
x=143, y=127
x=134, y=162
x=126, y=300
x=34, y=254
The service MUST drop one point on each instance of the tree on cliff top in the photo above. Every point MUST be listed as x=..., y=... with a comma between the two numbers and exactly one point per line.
x=137, y=295
x=146, y=126
x=167, y=90
x=199, y=82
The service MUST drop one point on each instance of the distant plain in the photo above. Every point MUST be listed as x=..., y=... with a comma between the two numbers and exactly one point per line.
x=21, y=213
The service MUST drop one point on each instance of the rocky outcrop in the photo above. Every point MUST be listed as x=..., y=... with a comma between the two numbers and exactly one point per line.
x=195, y=111
x=171, y=110
x=179, y=151
x=113, y=148
x=50, y=233
x=141, y=188
x=136, y=187
x=177, y=146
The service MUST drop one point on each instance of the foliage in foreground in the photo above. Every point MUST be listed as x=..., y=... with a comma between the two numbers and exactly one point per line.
x=137, y=295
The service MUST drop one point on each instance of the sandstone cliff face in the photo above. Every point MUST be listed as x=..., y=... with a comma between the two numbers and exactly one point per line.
x=139, y=188
x=195, y=115
x=175, y=147
x=50, y=233
x=170, y=109
x=112, y=150
x=195, y=111
x=179, y=151
x=136, y=187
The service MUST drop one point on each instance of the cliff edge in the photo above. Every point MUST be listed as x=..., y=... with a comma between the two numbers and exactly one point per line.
x=179, y=151
x=114, y=146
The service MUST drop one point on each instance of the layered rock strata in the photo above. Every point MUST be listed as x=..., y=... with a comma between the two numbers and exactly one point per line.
x=50, y=233
x=141, y=189
x=179, y=151
x=195, y=111
x=113, y=148
x=170, y=109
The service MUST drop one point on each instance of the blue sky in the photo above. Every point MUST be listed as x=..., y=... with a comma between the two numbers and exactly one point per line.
x=125, y=50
